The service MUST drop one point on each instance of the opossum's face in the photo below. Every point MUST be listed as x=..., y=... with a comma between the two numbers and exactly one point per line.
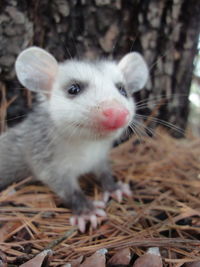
x=90, y=100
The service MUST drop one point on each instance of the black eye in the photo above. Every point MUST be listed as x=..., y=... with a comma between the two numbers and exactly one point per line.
x=74, y=89
x=122, y=90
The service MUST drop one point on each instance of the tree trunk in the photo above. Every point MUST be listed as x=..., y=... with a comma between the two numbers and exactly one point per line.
x=169, y=36
x=165, y=32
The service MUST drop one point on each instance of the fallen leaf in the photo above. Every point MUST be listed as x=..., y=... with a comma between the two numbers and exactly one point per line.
x=97, y=259
x=151, y=259
x=41, y=259
x=122, y=257
x=74, y=263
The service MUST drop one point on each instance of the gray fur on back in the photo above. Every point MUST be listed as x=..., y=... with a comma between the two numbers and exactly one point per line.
x=25, y=146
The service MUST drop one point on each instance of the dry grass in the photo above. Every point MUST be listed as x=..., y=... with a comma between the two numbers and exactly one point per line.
x=165, y=209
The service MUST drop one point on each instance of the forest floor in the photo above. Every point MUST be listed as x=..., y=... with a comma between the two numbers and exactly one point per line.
x=164, y=212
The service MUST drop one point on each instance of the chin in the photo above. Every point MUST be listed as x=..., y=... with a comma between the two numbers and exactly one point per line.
x=97, y=133
x=107, y=134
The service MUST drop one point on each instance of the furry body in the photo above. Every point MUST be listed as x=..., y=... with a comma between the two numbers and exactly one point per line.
x=69, y=134
x=36, y=147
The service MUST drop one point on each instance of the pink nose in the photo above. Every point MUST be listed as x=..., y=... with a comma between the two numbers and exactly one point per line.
x=114, y=118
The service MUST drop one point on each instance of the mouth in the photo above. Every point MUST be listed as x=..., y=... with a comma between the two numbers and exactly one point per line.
x=103, y=131
x=110, y=129
x=99, y=130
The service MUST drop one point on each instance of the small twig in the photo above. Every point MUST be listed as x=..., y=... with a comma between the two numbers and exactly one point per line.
x=56, y=242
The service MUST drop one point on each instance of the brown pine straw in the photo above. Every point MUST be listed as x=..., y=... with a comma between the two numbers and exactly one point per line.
x=164, y=211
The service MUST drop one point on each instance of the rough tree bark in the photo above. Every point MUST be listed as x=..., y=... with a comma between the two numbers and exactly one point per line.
x=169, y=36
x=165, y=32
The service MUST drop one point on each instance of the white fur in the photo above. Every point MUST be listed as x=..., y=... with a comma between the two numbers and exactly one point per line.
x=81, y=146
x=80, y=156
x=101, y=82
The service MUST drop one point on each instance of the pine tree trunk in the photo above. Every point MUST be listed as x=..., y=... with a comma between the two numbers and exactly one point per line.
x=165, y=32
x=169, y=36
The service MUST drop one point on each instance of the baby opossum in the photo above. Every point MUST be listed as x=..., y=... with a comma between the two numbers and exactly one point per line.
x=85, y=106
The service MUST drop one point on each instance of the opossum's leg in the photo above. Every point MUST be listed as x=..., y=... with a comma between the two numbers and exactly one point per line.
x=85, y=211
x=111, y=188
x=68, y=189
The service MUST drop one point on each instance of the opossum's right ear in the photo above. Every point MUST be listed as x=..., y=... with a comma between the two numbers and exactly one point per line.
x=36, y=69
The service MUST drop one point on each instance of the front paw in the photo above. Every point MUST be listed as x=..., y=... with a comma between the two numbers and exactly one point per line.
x=90, y=214
x=123, y=189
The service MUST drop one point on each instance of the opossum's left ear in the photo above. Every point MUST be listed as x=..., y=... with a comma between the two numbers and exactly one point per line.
x=135, y=71
x=36, y=69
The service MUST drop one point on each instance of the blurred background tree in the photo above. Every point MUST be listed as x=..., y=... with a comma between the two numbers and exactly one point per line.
x=166, y=32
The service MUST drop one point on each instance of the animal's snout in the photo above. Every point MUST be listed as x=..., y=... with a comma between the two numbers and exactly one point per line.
x=112, y=115
x=114, y=118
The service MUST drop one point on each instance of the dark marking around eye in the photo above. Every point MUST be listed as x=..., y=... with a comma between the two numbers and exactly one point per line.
x=121, y=89
x=74, y=89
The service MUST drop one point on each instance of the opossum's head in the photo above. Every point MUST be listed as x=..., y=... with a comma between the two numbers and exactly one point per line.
x=86, y=99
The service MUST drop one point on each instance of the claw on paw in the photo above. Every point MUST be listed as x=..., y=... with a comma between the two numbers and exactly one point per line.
x=123, y=190
x=93, y=217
